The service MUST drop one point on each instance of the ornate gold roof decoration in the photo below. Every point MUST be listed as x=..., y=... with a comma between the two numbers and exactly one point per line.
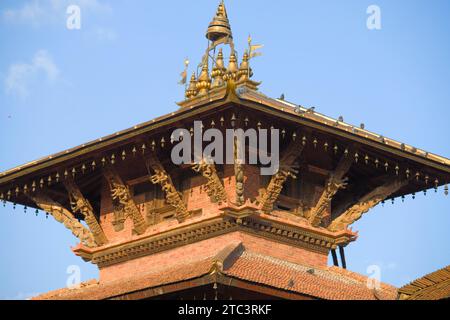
x=219, y=33
x=219, y=71
x=219, y=30
x=191, y=91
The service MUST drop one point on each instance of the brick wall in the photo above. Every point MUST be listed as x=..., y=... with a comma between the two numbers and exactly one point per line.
x=209, y=248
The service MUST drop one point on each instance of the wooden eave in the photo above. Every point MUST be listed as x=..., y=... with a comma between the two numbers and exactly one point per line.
x=223, y=98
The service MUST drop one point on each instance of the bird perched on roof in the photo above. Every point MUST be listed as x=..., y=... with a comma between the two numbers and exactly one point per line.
x=311, y=110
x=282, y=97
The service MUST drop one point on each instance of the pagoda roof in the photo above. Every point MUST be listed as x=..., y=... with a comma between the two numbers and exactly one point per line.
x=313, y=118
x=215, y=101
x=434, y=286
x=234, y=265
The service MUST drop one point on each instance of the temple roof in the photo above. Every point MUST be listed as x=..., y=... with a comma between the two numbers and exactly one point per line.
x=434, y=286
x=231, y=265
x=220, y=99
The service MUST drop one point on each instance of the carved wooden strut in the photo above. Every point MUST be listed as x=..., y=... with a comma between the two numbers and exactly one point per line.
x=65, y=217
x=214, y=187
x=121, y=192
x=275, y=187
x=173, y=197
x=335, y=182
x=80, y=204
x=366, y=203
x=273, y=190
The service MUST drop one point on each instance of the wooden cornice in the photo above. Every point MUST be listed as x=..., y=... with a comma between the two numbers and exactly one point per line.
x=317, y=240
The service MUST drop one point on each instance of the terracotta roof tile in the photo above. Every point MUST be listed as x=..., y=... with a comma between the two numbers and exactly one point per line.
x=327, y=283
x=434, y=286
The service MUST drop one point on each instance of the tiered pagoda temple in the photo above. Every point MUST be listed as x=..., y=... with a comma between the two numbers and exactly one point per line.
x=157, y=230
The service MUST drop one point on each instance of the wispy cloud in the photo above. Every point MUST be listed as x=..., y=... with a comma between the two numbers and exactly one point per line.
x=21, y=76
x=41, y=12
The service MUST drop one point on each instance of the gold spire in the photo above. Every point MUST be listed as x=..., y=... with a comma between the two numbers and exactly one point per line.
x=232, y=67
x=245, y=72
x=218, y=71
x=219, y=30
x=191, y=91
x=204, y=82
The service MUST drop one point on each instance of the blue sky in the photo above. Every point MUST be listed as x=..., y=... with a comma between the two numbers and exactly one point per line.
x=60, y=88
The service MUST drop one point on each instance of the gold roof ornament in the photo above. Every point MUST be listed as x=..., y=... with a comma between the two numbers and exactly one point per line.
x=191, y=91
x=219, y=71
x=219, y=33
x=219, y=30
x=203, y=81
x=232, y=67
x=245, y=72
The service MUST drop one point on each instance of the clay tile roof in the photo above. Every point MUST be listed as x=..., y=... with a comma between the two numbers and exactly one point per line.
x=330, y=283
x=435, y=286
x=233, y=261
x=119, y=287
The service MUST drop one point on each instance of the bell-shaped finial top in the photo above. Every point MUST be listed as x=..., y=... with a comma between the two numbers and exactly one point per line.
x=219, y=29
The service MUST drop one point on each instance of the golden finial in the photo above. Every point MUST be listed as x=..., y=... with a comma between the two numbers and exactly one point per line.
x=218, y=71
x=191, y=91
x=204, y=82
x=219, y=30
x=245, y=72
x=233, y=70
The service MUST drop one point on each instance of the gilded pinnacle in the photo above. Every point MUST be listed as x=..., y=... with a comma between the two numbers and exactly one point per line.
x=218, y=71
x=191, y=91
x=204, y=82
x=245, y=72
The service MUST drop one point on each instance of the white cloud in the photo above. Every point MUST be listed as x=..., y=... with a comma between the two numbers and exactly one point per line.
x=40, y=12
x=22, y=75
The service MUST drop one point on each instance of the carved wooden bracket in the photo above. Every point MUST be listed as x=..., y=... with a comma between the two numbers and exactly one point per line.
x=214, y=186
x=80, y=204
x=273, y=190
x=121, y=192
x=275, y=187
x=173, y=197
x=366, y=203
x=65, y=217
x=335, y=182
